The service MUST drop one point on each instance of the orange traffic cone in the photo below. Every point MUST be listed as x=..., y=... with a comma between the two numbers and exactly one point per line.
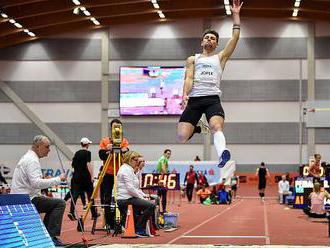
x=129, y=225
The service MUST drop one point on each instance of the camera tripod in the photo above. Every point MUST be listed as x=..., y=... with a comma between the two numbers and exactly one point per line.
x=116, y=152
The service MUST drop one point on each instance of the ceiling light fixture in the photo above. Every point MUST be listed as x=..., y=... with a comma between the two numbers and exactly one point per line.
x=87, y=13
x=76, y=11
x=296, y=5
x=4, y=15
x=295, y=12
x=96, y=22
x=227, y=7
x=18, y=25
x=76, y=2
x=31, y=34
x=156, y=6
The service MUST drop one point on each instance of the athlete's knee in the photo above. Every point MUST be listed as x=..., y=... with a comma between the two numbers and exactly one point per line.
x=182, y=138
x=216, y=127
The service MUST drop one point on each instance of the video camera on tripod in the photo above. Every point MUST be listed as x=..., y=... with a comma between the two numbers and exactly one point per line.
x=117, y=135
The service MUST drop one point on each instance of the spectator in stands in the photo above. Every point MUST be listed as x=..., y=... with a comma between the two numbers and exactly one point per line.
x=315, y=170
x=162, y=168
x=283, y=189
x=262, y=173
x=190, y=179
x=203, y=193
x=27, y=179
x=106, y=149
x=224, y=195
x=129, y=193
x=82, y=179
x=201, y=180
x=317, y=210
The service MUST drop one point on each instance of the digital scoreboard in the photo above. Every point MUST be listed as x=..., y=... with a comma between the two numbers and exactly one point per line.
x=170, y=181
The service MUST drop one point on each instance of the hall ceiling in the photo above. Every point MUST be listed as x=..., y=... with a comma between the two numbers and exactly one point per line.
x=46, y=18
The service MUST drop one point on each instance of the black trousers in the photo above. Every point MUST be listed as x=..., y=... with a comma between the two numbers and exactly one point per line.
x=82, y=197
x=313, y=215
x=54, y=210
x=162, y=193
x=189, y=191
x=78, y=188
x=106, y=198
x=143, y=211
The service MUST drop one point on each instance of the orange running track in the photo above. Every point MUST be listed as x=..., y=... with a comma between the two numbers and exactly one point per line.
x=247, y=221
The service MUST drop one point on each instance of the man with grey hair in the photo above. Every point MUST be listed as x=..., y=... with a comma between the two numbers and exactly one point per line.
x=28, y=179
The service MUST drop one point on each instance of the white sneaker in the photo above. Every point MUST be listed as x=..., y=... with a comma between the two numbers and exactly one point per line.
x=205, y=129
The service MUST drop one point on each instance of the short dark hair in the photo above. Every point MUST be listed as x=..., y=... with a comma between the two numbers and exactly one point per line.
x=115, y=121
x=262, y=164
x=211, y=31
x=167, y=150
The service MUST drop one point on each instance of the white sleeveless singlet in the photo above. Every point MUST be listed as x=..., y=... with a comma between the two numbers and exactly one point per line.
x=207, y=76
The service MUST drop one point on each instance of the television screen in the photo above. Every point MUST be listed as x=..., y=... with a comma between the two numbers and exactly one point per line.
x=151, y=90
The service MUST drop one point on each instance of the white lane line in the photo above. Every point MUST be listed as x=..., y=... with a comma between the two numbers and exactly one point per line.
x=227, y=237
x=266, y=225
x=204, y=222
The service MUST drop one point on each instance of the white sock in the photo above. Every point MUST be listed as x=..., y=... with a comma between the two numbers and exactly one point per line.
x=219, y=142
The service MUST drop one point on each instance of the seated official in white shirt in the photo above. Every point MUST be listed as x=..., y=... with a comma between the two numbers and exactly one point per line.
x=27, y=179
x=129, y=193
x=283, y=189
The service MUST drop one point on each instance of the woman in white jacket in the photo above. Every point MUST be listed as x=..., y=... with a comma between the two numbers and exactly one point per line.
x=128, y=193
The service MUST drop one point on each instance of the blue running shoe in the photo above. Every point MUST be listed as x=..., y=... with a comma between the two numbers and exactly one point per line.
x=225, y=157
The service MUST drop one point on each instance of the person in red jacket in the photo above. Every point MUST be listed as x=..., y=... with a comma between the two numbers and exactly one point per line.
x=190, y=179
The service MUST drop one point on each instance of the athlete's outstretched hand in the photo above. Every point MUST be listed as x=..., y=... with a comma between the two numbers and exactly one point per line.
x=236, y=7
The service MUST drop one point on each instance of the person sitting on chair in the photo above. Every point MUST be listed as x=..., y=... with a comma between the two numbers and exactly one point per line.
x=128, y=193
x=203, y=193
x=317, y=210
x=27, y=179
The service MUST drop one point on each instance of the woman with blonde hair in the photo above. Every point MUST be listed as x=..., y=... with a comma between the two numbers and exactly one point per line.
x=317, y=210
x=128, y=193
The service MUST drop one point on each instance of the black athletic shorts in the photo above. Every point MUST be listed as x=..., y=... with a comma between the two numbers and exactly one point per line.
x=209, y=105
